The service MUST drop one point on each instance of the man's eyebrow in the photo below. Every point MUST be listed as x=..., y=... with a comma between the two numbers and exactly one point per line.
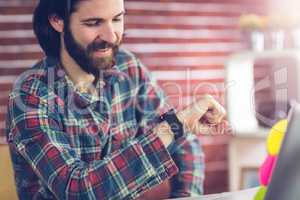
x=121, y=13
x=101, y=19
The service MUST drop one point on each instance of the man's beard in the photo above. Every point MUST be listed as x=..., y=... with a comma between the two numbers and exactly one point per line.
x=84, y=57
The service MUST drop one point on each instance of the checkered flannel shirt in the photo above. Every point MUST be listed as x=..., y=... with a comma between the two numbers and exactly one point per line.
x=66, y=143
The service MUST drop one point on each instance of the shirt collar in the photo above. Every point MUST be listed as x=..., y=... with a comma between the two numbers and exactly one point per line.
x=82, y=98
x=62, y=82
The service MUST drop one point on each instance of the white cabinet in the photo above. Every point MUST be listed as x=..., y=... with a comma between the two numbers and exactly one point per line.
x=256, y=98
x=246, y=154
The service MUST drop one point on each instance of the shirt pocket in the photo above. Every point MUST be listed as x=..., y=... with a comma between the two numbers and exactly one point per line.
x=123, y=133
x=90, y=144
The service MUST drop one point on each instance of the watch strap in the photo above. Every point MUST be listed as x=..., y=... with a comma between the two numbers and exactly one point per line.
x=174, y=123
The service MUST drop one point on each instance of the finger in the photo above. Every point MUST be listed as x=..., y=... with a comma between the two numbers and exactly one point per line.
x=216, y=108
x=220, y=129
x=213, y=118
x=203, y=129
x=211, y=129
x=223, y=127
x=200, y=107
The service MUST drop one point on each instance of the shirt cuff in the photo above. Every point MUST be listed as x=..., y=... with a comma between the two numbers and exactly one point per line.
x=158, y=155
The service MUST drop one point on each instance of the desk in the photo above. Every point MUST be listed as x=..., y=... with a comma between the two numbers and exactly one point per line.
x=247, y=194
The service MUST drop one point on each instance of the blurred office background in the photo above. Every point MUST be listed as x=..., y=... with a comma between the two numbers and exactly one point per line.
x=189, y=46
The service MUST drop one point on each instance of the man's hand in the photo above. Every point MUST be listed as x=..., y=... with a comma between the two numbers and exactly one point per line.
x=206, y=116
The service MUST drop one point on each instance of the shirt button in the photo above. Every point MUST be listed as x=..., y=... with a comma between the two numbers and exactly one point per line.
x=93, y=129
x=102, y=84
x=60, y=73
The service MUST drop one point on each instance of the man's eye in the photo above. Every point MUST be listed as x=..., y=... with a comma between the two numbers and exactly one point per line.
x=117, y=19
x=93, y=24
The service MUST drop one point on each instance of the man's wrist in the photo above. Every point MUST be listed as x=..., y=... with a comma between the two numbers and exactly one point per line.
x=175, y=124
x=164, y=132
x=181, y=115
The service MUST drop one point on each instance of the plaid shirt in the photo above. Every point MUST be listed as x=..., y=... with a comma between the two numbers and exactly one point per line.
x=66, y=143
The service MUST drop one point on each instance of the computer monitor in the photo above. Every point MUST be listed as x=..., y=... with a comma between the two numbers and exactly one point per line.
x=260, y=87
x=285, y=181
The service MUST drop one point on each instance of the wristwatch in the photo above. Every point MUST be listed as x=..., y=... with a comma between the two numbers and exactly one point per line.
x=176, y=126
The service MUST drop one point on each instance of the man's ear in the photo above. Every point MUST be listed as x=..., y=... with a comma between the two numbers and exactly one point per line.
x=57, y=23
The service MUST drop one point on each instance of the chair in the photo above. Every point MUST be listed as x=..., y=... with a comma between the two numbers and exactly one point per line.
x=7, y=183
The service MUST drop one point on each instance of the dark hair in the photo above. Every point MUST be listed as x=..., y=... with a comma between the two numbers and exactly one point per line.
x=48, y=37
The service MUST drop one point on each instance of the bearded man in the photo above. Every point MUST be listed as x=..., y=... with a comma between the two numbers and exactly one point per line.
x=88, y=122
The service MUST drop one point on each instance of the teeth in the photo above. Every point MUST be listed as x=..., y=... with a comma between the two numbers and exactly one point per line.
x=102, y=50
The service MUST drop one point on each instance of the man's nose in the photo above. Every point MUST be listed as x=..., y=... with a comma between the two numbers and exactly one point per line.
x=108, y=33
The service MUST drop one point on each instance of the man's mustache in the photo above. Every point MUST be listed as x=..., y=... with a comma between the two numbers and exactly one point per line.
x=101, y=45
x=96, y=45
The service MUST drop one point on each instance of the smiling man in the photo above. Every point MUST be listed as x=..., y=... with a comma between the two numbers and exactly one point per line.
x=88, y=122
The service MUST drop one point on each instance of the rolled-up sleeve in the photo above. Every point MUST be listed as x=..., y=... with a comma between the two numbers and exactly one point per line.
x=186, y=151
x=124, y=174
x=189, y=158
